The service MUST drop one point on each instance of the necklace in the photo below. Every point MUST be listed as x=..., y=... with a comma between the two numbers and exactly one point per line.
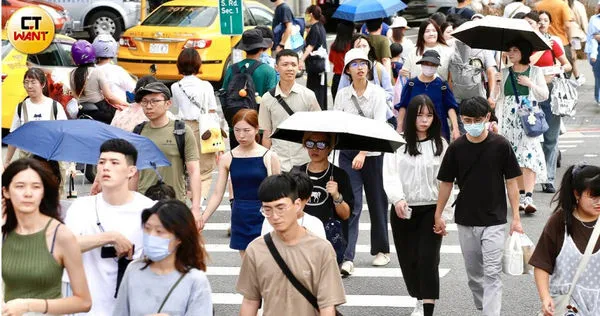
x=584, y=224
x=318, y=178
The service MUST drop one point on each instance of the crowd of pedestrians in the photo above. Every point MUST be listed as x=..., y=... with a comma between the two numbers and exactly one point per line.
x=135, y=246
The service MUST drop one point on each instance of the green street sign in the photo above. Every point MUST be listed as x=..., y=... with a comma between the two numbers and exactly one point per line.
x=231, y=16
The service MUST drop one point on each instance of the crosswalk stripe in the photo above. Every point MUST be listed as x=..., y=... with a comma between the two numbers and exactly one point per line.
x=358, y=272
x=446, y=249
x=361, y=226
x=351, y=300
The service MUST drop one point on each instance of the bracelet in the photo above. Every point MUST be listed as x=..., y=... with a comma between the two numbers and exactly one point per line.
x=46, y=309
x=340, y=200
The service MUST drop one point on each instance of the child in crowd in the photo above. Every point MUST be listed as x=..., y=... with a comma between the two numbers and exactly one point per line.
x=160, y=191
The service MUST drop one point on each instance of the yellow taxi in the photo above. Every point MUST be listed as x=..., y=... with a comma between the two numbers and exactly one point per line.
x=56, y=58
x=153, y=46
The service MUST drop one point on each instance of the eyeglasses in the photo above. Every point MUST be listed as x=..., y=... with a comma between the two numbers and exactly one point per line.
x=311, y=144
x=280, y=210
x=153, y=102
x=30, y=82
x=356, y=64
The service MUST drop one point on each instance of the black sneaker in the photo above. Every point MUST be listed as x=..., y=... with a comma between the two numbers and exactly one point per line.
x=548, y=188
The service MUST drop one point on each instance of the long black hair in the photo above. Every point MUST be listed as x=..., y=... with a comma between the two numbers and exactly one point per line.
x=343, y=37
x=49, y=205
x=577, y=178
x=415, y=107
x=421, y=35
x=371, y=55
x=178, y=219
x=79, y=78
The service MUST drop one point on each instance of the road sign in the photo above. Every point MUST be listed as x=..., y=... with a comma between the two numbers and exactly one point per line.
x=231, y=15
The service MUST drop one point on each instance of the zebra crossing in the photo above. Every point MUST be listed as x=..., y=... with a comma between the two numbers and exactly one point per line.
x=378, y=290
x=579, y=139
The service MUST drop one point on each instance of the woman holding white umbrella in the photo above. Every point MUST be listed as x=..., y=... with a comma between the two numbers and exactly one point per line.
x=364, y=168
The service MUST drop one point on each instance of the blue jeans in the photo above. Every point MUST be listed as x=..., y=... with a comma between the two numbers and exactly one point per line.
x=550, y=137
x=596, y=69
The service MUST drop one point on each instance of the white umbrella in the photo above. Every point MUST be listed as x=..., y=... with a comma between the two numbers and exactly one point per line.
x=496, y=33
x=353, y=132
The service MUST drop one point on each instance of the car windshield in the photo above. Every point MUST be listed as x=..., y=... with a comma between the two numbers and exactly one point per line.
x=187, y=16
x=6, y=48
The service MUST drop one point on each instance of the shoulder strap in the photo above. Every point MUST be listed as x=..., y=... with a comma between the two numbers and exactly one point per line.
x=511, y=74
x=586, y=257
x=20, y=109
x=169, y=293
x=54, y=239
x=192, y=99
x=138, y=128
x=54, y=109
x=252, y=68
x=355, y=102
x=281, y=101
x=179, y=133
x=235, y=69
x=288, y=274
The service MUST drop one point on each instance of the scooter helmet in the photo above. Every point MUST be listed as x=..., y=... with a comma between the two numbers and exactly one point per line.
x=83, y=53
x=105, y=46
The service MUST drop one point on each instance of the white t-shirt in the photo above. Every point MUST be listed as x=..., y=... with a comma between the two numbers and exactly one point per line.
x=200, y=90
x=312, y=223
x=118, y=79
x=37, y=112
x=101, y=273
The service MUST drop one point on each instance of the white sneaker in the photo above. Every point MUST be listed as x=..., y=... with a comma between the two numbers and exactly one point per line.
x=522, y=202
x=381, y=259
x=530, y=208
x=580, y=80
x=418, y=311
x=347, y=268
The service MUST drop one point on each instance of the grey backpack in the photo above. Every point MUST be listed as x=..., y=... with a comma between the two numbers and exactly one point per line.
x=467, y=72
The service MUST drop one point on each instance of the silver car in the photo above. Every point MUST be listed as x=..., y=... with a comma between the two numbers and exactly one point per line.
x=102, y=16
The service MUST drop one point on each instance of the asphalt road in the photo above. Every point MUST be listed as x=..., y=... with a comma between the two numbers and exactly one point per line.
x=381, y=291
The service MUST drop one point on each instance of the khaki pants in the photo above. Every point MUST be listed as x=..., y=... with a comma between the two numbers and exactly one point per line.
x=208, y=162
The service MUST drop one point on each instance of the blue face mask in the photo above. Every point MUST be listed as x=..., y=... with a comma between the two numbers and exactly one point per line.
x=475, y=129
x=156, y=248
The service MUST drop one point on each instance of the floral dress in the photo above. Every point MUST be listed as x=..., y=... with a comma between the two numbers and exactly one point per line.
x=527, y=149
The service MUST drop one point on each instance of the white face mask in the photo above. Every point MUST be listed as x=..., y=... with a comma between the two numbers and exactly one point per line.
x=428, y=70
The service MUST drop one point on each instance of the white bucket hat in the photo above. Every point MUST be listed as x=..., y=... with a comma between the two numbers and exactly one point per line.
x=399, y=22
x=353, y=54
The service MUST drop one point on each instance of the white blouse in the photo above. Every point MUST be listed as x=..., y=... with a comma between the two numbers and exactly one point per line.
x=413, y=178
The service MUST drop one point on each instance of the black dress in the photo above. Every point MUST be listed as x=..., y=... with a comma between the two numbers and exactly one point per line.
x=317, y=82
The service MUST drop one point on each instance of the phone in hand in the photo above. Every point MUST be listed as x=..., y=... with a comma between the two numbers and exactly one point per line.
x=111, y=251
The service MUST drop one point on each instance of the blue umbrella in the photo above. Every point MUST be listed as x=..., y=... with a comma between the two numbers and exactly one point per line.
x=362, y=10
x=80, y=141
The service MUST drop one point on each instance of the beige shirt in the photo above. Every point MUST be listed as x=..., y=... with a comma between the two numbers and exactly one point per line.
x=172, y=175
x=271, y=114
x=312, y=261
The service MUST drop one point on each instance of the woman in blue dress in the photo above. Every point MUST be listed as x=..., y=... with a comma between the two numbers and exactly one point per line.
x=248, y=164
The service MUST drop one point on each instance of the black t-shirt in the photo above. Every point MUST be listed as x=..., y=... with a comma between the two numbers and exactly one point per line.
x=283, y=14
x=321, y=203
x=482, y=201
x=316, y=36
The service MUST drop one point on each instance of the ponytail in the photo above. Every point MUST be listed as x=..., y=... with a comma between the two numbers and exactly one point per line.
x=577, y=178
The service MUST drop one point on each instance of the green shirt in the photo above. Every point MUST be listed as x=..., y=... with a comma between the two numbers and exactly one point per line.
x=172, y=175
x=264, y=77
x=523, y=90
x=381, y=45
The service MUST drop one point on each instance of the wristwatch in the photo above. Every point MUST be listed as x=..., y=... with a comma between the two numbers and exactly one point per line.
x=339, y=201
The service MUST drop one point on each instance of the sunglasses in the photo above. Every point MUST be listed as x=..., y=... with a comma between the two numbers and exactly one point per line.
x=320, y=145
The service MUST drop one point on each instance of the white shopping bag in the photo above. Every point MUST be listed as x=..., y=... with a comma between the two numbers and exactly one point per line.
x=527, y=246
x=513, y=255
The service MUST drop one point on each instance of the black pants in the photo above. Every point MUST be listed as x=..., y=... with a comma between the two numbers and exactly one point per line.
x=418, y=249
x=371, y=178
x=313, y=82
x=334, y=85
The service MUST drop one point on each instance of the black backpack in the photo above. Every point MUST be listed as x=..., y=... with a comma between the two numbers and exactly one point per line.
x=178, y=131
x=54, y=109
x=232, y=102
